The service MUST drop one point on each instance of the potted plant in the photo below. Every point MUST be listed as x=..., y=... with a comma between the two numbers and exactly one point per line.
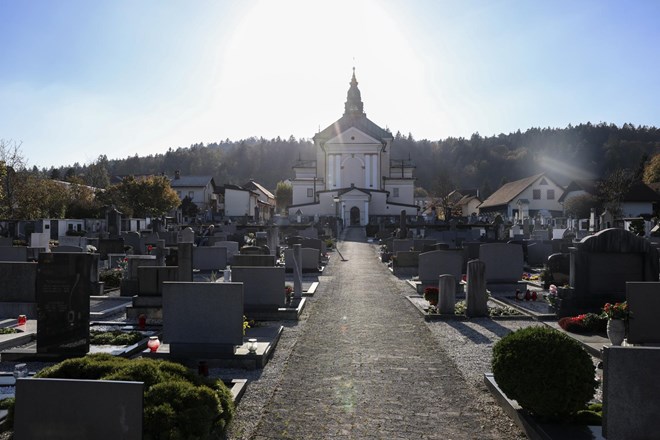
x=431, y=295
x=617, y=315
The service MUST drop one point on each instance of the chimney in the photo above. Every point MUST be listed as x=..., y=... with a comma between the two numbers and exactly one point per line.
x=177, y=175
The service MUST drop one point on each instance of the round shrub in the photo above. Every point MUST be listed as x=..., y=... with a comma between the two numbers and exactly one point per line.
x=545, y=371
x=178, y=404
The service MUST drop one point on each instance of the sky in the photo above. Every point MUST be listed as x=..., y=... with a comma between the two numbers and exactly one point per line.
x=80, y=78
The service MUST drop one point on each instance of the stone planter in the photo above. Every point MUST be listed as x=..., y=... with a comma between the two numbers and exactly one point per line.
x=616, y=331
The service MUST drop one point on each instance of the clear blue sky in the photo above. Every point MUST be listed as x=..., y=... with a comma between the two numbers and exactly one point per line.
x=83, y=78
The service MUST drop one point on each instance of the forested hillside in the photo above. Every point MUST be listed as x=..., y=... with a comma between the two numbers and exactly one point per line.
x=582, y=151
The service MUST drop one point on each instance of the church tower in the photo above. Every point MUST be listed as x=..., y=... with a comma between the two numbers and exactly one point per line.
x=353, y=176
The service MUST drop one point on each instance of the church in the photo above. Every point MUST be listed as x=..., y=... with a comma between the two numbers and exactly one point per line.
x=354, y=176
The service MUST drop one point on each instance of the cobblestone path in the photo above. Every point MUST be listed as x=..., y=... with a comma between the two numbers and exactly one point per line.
x=367, y=367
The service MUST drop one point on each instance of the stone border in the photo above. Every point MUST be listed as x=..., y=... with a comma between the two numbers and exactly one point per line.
x=535, y=430
x=414, y=300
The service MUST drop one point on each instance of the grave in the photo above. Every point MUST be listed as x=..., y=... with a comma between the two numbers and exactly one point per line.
x=65, y=282
x=129, y=285
x=254, y=260
x=476, y=300
x=644, y=303
x=435, y=263
x=13, y=253
x=402, y=245
x=538, y=252
x=18, y=289
x=133, y=240
x=601, y=265
x=310, y=260
x=202, y=319
x=208, y=258
x=504, y=265
x=110, y=246
x=263, y=291
x=66, y=248
x=559, y=266
x=148, y=301
x=630, y=400
x=232, y=249
x=405, y=264
x=96, y=409
x=72, y=240
x=420, y=244
x=446, y=294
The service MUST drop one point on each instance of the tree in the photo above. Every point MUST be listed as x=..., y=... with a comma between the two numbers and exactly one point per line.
x=82, y=201
x=652, y=170
x=283, y=195
x=189, y=208
x=580, y=206
x=147, y=197
x=11, y=163
x=97, y=173
x=39, y=197
x=612, y=190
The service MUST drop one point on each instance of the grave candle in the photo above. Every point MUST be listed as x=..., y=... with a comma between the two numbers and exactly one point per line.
x=22, y=319
x=153, y=343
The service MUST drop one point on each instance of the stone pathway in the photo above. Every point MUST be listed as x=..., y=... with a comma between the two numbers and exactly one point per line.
x=366, y=365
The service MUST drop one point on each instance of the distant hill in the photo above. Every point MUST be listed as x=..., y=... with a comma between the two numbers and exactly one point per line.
x=583, y=151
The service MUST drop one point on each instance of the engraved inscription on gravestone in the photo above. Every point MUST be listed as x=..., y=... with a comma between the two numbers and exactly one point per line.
x=63, y=287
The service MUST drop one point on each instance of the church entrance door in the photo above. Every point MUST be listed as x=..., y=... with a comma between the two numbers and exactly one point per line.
x=355, y=216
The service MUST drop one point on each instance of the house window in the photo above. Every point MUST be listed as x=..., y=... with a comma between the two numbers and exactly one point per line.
x=551, y=194
x=543, y=182
x=191, y=194
x=395, y=192
x=536, y=194
x=310, y=192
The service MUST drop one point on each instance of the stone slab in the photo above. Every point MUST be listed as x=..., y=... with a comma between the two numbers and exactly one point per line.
x=644, y=303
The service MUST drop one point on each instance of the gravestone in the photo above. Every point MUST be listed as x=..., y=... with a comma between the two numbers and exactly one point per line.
x=263, y=287
x=13, y=253
x=419, y=244
x=18, y=289
x=113, y=220
x=538, y=252
x=446, y=294
x=559, y=266
x=254, y=260
x=64, y=283
x=253, y=250
x=312, y=243
x=207, y=258
x=310, y=259
x=40, y=240
x=504, y=262
x=133, y=240
x=601, y=265
x=202, y=319
x=60, y=249
x=630, y=392
x=72, y=240
x=402, y=245
x=476, y=300
x=294, y=239
x=644, y=303
x=151, y=279
x=472, y=248
x=185, y=259
x=94, y=409
x=406, y=264
x=110, y=246
x=232, y=249
x=130, y=285
x=435, y=263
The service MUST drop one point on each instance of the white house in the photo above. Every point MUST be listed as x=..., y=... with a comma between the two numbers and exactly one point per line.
x=200, y=189
x=353, y=176
x=529, y=197
x=266, y=200
x=239, y=202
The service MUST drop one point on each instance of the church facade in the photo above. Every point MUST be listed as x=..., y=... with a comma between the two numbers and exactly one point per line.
x=353, y=176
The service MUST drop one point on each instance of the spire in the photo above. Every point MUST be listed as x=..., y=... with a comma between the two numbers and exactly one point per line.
x=354, y=105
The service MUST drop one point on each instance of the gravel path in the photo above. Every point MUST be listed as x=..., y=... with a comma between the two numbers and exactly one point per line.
x=362, y=364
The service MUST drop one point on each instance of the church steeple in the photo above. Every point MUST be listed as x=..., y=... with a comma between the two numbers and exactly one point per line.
x=354, y=105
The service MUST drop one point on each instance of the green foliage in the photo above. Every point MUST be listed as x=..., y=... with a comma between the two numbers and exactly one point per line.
x=545, y=371
x=189, y=208
x=283, y=195
x=580, y=206
x=637, y=227
x=150, y=196
x=177, y=403
x=111, y=277
x=116, y=337
x=7, y=331
x=652, y=170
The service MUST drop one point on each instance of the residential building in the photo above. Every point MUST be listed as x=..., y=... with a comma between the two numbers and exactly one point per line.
x=533, y=196
x=200, y=189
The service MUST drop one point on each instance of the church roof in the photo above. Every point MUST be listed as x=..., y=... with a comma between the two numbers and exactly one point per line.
x=354, y=116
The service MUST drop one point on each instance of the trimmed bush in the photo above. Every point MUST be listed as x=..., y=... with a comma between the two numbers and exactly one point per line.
x=178, y=404
x=546, y=372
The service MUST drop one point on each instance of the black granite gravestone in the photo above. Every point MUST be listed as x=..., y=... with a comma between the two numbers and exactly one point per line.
x=64, y=284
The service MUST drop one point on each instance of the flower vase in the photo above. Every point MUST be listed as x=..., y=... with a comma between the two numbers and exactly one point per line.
x=616, y=331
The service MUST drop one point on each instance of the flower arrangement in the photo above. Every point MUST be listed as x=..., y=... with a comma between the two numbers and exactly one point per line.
x=616, y=311
x=552, y=297
x=585, y=323
x=288, y=293
x=431, y=295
